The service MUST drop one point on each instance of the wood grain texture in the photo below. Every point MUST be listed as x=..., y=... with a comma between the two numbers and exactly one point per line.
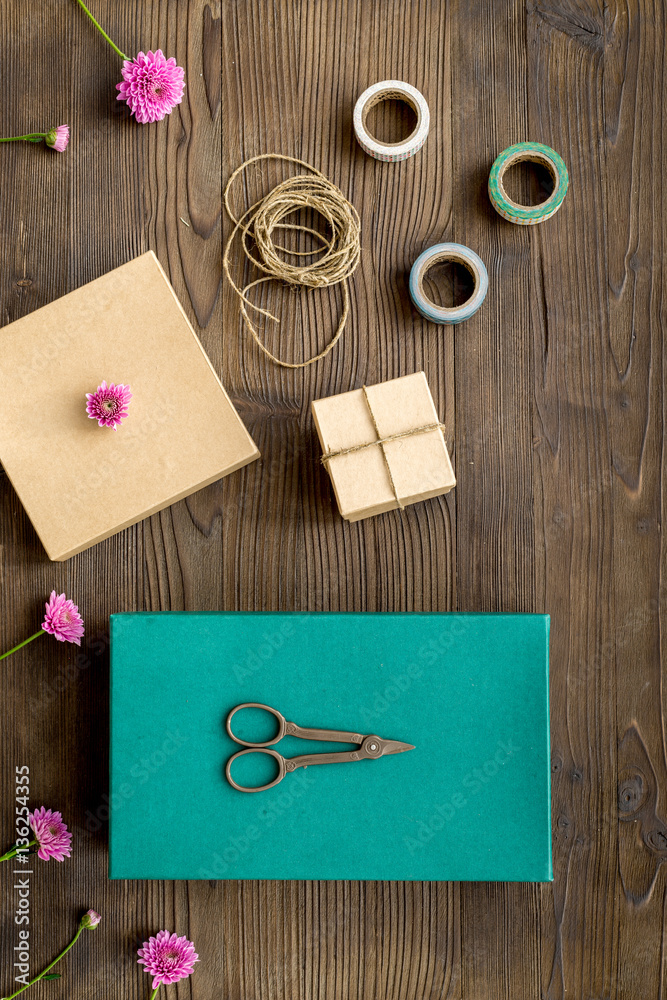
x=553, y=396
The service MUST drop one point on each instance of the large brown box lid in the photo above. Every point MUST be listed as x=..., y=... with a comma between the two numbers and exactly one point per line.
x=81, y=483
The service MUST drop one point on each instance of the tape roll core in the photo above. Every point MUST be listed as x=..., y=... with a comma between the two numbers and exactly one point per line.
x=390, y=95
x=454, y=253
x=391, y=90
x=532, y=152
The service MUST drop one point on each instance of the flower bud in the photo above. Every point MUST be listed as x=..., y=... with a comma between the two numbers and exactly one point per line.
x=58, y=138
x=90, y=920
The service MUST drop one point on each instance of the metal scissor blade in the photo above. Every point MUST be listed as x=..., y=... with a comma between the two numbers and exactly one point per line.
x=393, y=746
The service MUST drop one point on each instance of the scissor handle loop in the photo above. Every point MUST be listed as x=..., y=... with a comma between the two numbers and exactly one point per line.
x=273, y=753
x=255, y=704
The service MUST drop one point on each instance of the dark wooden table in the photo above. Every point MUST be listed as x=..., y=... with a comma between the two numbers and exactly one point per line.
x=554, y=403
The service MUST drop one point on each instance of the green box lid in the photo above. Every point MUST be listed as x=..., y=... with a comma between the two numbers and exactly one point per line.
x=470, y=691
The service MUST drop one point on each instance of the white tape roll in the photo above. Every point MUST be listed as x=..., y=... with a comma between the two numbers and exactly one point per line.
x=391, y=90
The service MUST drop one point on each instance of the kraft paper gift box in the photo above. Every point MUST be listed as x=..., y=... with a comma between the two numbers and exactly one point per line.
x=81, y=483
x=469, y=691
x=383, y=446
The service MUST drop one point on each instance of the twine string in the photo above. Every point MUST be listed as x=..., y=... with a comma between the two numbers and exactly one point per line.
x=382, y=441
x=335, y=260
x=383, y=448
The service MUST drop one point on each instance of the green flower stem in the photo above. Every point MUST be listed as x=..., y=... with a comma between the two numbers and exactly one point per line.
x=41, y=631
x=153, y=994
x=49, y=967
x=31, y=137
x=101, y=29
x=13, y=851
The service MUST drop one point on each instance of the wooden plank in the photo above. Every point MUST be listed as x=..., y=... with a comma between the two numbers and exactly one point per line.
x=587, y=447
x=352, y=940
x=496, y=558
x=119, y=189
x=58, y=232
x=634, y=74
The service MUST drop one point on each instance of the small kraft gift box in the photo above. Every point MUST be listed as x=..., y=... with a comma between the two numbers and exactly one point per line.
x=383, y=446
x=80, y=482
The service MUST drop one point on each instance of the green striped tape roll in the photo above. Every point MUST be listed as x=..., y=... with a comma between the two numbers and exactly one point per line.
x=534, y=152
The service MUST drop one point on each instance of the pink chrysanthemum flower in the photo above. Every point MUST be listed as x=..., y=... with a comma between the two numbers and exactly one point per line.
x=152, y=86
x=58, y=138
x=108, y=404
x=51, y=834
x=62, y=619
x=168, y=958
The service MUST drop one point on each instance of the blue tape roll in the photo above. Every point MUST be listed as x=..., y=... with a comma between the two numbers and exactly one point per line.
x=458, y=254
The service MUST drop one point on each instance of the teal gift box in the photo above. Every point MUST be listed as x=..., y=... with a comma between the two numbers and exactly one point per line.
x=469, y=691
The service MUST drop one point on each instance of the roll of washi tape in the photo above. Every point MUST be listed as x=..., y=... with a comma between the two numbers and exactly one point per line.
x=450, y=253
x=391, y=90
x=534, y=152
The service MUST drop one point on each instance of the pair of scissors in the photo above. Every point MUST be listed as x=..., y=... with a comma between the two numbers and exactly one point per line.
x=370, y=747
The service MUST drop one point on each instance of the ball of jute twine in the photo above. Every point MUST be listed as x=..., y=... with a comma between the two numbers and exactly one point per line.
x=336, y=257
